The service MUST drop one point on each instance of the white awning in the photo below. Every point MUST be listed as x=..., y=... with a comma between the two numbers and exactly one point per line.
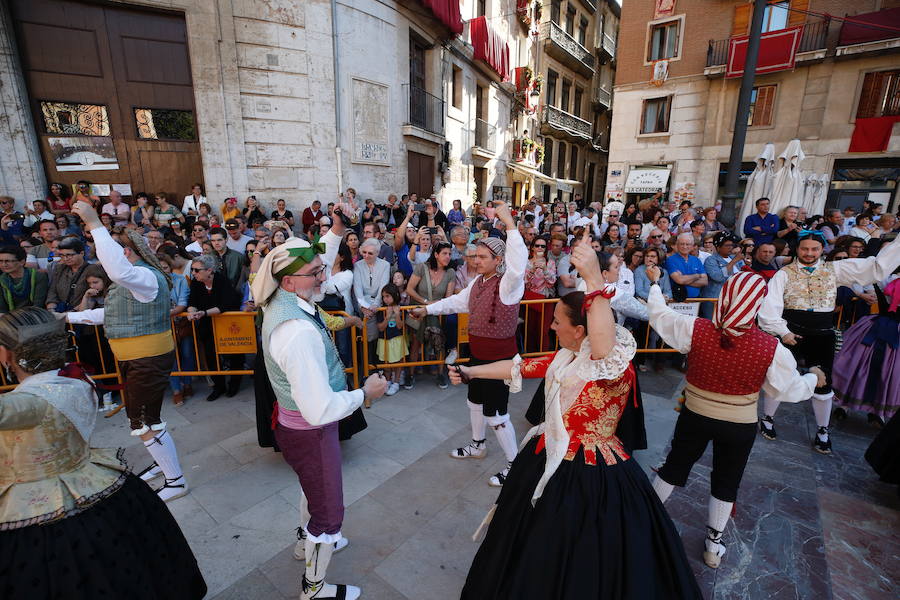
x=528, y=171
x=647, y=180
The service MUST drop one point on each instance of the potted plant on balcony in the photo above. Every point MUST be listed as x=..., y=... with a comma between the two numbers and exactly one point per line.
x=538, y=10
x=529, y=75
x=539, y=154
x=538, y=83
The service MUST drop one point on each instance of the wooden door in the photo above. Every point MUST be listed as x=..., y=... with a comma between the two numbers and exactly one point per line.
x=111, y=93
x=421, y=174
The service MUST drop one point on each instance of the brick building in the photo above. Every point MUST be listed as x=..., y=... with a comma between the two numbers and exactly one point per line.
x=675, y=96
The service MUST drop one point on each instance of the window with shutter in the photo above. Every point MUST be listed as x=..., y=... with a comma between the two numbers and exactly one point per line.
x=741, y=24
x=880, y=95
x=798, y=12
x=762, y=106
x=655, y=115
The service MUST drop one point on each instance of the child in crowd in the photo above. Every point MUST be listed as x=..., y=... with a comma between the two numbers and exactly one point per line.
x=391, y=346
x=98, y=284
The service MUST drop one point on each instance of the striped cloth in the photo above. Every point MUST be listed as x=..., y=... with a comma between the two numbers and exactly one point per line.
x=739, y=301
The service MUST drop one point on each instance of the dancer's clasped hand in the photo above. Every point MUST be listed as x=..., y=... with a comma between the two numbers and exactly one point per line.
x=584, y=259
x=375, y=386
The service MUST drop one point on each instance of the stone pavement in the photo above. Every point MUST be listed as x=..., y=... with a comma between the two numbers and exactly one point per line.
x=411, y=509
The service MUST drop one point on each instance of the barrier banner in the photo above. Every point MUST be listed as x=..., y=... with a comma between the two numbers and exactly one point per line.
x=235, y=333
x=462, y=328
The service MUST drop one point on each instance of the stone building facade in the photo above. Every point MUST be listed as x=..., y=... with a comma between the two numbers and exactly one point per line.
x=674, y=107
x=429, y=96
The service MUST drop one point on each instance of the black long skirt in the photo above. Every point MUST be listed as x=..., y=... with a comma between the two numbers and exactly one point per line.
x=127, y=545
x=596, y=532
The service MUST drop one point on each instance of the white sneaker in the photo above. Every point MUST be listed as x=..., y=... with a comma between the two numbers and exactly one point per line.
x=392, y=389
x=451, y=357
x=713, y=553
x=172, y=489
x=329, y=591
x=300, y=546
x=150, y=473
x=474, y=449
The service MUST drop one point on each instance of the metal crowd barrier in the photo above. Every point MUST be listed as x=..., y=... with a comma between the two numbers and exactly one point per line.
x=235, y=333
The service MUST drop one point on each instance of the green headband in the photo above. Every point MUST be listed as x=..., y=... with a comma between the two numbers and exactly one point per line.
x=302, y=256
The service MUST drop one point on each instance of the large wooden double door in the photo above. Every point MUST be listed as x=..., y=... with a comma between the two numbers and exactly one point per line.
x=111, y=92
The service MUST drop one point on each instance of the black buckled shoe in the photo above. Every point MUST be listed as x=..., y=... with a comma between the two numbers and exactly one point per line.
x=767, y=428
x=822, y=441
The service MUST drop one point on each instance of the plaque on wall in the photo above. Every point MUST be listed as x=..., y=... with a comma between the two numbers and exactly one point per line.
x=371, y=144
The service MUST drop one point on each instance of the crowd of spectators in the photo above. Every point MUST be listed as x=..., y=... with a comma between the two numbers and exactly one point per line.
x=396, y=252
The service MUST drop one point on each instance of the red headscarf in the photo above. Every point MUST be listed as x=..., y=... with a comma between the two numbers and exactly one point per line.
x=739, y=301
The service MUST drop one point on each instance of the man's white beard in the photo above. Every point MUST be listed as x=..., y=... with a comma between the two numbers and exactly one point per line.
x=311, y=296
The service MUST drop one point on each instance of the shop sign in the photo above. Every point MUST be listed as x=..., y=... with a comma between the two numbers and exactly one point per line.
x=647, y=180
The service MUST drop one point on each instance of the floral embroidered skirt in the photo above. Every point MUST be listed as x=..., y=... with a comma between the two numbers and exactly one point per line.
x=127, y=545
x=597, y=532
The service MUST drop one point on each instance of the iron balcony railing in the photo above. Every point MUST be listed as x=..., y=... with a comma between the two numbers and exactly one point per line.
x=566, y=49
x=485, y=135
x=609, y=45
x=562, y=121
x=603, y=95
x=814, y=37
x=424, y=110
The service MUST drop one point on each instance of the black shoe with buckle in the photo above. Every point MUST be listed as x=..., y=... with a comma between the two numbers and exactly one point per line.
x=767, y=428
x=822, y=446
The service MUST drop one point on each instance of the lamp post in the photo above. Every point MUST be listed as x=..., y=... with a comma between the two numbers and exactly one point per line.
x=729, y=198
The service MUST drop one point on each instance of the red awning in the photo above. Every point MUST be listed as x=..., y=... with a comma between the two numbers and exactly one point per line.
x=870, y=27
x=777, y=52
x=447, y=12
x=489, y=47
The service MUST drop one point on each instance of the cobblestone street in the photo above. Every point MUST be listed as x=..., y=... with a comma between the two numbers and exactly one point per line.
x=807, y=526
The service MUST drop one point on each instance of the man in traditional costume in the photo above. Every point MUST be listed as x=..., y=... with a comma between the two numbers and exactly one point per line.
x=729, y=360
x=136, y=321
x=492, y=301
x=799, y=309
x=311, y=394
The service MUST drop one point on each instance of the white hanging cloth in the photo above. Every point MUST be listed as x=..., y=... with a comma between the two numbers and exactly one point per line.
x=788, y=187
x=759, y=184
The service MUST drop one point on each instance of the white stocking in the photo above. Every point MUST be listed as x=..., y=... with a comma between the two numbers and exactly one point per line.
x=304, y=510
x=662, y=488
x=317, y=558
x=506, y=435
x=821, y=404
x=162, y=448
x=770, y=405
x=476, y=416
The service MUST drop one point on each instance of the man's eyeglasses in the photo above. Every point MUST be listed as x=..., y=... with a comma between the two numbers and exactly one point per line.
x=655, y=237
x=315, y=273
x=197, y=269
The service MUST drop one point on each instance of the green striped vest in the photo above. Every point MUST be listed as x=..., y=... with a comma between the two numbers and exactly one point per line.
x=126, y=317
x=283, y=307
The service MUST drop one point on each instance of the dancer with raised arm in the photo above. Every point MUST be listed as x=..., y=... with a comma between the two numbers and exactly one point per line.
x=492, y=301
x=136, y=321
x=577, y=517
x=311, y=395
x=729, y=360
x=799, y=309
x=74, y=522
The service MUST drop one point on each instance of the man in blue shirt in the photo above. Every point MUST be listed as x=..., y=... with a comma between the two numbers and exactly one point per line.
x=761, y=226
x=686, y=269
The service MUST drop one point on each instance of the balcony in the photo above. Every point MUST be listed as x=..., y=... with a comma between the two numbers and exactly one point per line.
x=485, y=139
x=813, y=47
x=555, y=121
x=602, y=96
x=423, y=110
x=605, y=44
x=870, y=33
x=527, y=152
x=566, y=49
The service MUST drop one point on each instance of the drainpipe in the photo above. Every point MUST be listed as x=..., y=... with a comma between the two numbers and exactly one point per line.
x=337, y=95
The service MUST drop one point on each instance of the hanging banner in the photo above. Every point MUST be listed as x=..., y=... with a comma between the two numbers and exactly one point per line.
x=664, y=8
x=660, y=72
x=777, y=52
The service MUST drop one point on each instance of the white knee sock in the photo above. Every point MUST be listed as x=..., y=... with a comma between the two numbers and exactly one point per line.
x=476, y=416
x=719, y=513
x=662, y=488
x=162, y=448
x=821, y=404
x=506, y=435
x=770, y=405
x=317, y=558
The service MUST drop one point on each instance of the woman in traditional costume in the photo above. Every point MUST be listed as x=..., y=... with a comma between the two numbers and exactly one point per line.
x=577, y=517
x=74, y=522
